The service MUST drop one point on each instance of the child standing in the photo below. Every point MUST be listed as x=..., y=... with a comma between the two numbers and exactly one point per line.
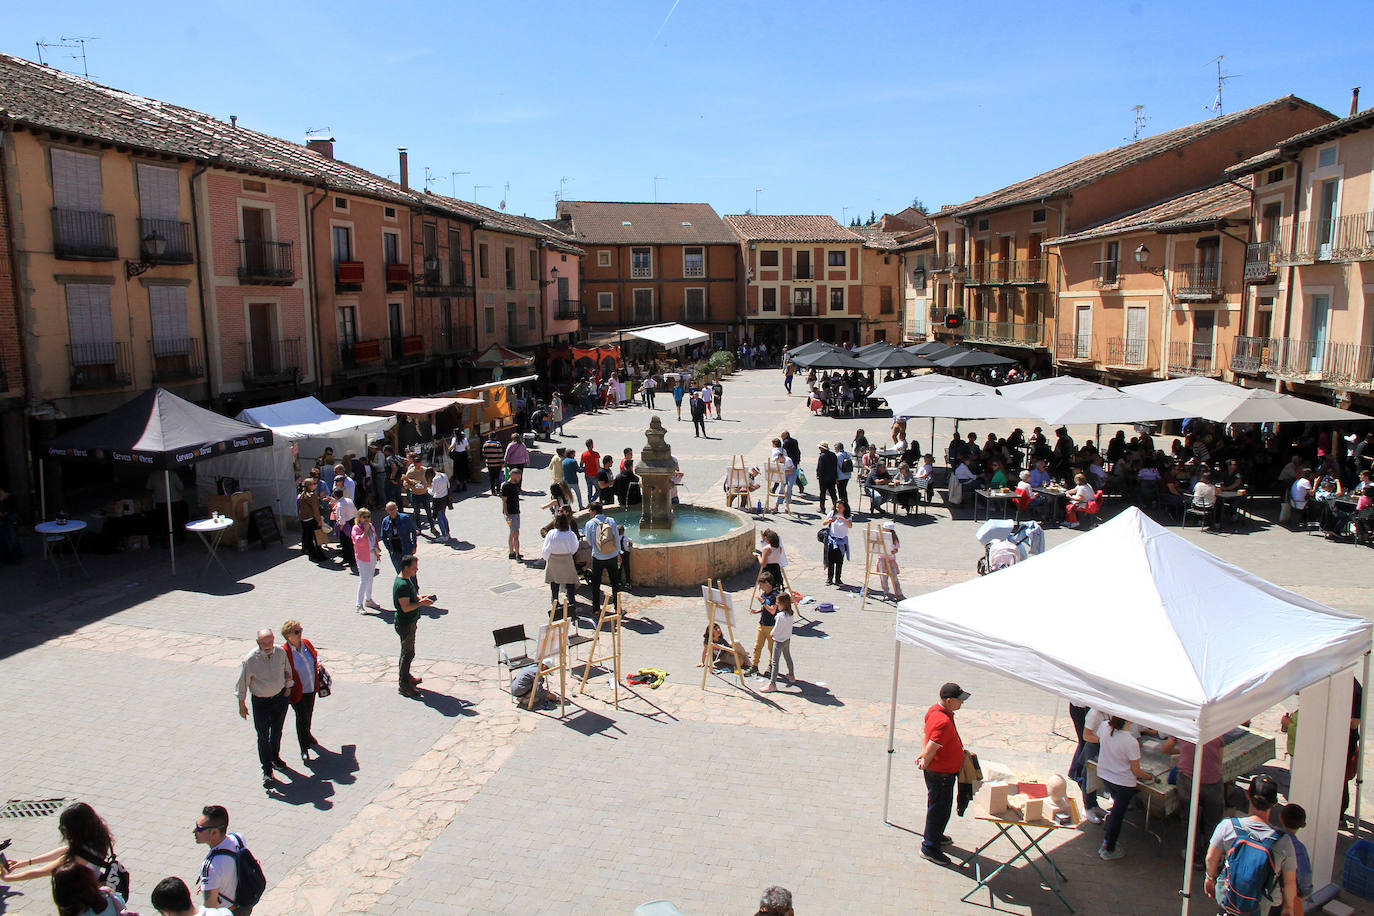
x=782, y=643
x=763, y=636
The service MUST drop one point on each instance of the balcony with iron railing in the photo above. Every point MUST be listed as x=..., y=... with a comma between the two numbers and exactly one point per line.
x=1074, y=348
x=1261, y=262
x=272, y=361
x=397, y=276
x=1130, y=353
x=1345, y=238
x=1188, y=358
x=1008, y=333
x=1250, y=355
x=164, y=241
x=348, y=276
x=566, y=309
x=100, y=365
x=1107, y=274
x=176, y=359
x=360, y=354
x=805, y=309
x=406, y=349
x=938, y=317
x=266, y=263
x=1198, y=282
x=1343, y=364
x=83, y=235
x=454, y=340
x=442, y=280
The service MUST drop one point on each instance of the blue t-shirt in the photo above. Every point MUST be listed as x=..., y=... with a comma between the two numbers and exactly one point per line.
x=570, y=470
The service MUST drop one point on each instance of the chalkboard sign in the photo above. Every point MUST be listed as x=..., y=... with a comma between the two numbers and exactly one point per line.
x=262, y=523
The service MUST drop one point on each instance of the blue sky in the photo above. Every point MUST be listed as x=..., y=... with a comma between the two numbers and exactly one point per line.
x=825, y=106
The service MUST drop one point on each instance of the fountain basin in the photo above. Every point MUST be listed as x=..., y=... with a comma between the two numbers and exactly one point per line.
x=702, y=544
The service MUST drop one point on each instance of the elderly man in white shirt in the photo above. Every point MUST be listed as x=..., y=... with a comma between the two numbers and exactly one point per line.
x=266, y=674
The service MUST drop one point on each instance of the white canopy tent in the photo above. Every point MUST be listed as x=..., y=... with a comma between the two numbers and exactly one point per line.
x=1051, y=387
x=669, y=336
x=1225, y=403
x=302, y=426
x=1097, y=407
x=1210, y=646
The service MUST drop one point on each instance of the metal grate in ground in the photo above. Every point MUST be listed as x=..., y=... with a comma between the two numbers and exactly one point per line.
x=41, y=808
x=505, y=587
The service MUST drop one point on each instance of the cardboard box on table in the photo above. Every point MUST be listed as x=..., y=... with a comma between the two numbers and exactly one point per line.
x=237, y=507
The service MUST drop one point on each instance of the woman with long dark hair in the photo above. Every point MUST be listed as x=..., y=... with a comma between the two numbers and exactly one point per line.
x=87, y=842
x=837, y=526
x=76, y=891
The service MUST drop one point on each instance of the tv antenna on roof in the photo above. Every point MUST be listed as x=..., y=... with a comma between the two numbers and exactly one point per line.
x=316, y=131
x=1216, y=105
x=657, y=179
x=429, y=176
x=1140, y=119
x=505, y=194
x=561, y=183
x=476, y=188
x=76, y=43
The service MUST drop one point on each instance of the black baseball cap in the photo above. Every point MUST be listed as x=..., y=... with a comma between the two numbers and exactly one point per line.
x=953, y=691
x=1265, y=790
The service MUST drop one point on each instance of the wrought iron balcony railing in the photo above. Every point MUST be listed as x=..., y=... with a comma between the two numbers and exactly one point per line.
x=264, y=262
x=176, y=359
x=100, y=365
x=271, y=361
x=83, y=235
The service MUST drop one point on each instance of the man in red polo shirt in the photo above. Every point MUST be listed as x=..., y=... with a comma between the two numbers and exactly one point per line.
x=941, y=759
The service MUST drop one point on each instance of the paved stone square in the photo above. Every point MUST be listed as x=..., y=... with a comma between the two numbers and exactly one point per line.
x=118, y=691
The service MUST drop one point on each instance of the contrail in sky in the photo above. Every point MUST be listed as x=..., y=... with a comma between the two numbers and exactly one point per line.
x=666, y=18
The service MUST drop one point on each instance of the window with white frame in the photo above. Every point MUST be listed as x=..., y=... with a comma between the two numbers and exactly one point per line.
x=641, y=263
x=341, y=204
x=605, y=302
x=695, y=306
x=603, y=259
x=693, y=262
x=644, y=305
x=1326, y=156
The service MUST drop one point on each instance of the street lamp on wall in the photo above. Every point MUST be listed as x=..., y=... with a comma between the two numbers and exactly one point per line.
x=152, y=247
x=1142, y=260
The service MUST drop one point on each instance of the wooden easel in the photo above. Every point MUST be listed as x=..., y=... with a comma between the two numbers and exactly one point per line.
x=877, y=549
x=609, y=621
x=776, y=473
x=552, y=642
x=561, y=610
x=719, y=610
x=737, y=483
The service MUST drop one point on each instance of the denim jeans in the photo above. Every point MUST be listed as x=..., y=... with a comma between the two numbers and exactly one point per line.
x=593, y=488
x=1121, y=801
x=440, y=519
x=939, y=805
x=269, y=716
x=1085, y=751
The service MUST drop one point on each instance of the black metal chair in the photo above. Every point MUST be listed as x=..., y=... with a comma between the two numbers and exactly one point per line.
x=509, y=636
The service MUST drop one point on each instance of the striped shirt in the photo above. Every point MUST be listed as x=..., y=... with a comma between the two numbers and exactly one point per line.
x=494, y=453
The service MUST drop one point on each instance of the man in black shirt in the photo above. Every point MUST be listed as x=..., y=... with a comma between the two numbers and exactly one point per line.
x=698, y=407
x=793, y=449
x=510, y=507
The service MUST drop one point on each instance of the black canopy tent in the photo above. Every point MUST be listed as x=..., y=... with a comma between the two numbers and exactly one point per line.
x=158, y=431
x=883, y=355
x=957, y=357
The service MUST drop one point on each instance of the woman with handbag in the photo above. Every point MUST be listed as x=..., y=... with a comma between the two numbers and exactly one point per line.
x=559, y=551
x=367, y=554
x=308, y=680
x=835, y=530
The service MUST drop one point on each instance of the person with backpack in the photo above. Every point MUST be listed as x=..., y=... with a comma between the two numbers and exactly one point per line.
x=172, y=897
x=88, y=842
x=76, y=891
x=1250, y=863
x=604, y=536
x=230, y=875
x=845, y=462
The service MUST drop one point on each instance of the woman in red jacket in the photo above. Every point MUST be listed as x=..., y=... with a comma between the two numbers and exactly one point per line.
x=305, y=674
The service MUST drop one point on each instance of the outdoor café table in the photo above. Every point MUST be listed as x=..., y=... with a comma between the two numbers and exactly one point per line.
x=1004, y=497
x=1242, y=752
x=1058, y=496
x=1231, y=504
x=898, y=494
x=1023, y=841
x=56, y=533
x=211, y=531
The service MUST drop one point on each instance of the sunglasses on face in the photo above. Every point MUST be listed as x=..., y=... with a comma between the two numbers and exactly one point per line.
x=202, y=829
x=295, y=632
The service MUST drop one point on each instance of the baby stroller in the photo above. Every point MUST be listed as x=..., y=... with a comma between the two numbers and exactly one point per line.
x=1006, y=543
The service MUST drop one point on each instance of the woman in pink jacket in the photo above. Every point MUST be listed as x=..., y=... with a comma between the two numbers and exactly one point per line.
x=368, y=554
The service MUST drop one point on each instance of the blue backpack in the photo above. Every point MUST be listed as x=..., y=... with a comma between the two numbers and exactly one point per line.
x=1250, y=872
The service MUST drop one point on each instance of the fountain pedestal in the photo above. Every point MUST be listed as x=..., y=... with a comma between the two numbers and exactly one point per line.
x=656, y=469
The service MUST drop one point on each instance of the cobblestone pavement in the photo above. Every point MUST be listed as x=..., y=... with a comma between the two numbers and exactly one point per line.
x=118, y=691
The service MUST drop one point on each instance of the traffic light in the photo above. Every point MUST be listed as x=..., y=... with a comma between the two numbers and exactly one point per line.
x=954, y=320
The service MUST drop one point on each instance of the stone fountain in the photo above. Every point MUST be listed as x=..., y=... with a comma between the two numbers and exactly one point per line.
x=680, y=546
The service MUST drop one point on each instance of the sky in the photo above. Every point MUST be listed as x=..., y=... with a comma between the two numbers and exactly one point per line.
x=844, y=108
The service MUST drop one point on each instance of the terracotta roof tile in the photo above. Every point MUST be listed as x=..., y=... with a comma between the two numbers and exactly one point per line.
x=756, y=228
x=1063, y=180
x=877, y=237
x=501, y=221
x=1289, y=148
x=1195, y=209
x=36, y=96
x=598, y=222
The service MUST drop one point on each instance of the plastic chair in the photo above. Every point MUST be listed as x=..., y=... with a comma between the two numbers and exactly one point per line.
x=509, y=636
x=1191, y=510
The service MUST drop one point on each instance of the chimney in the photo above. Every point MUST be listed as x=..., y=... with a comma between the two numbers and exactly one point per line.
x=322, y=146
x=1354, y=101
x=233, y=120
x=405, y=167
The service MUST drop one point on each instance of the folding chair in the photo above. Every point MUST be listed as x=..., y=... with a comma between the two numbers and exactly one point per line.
x=509, y=636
